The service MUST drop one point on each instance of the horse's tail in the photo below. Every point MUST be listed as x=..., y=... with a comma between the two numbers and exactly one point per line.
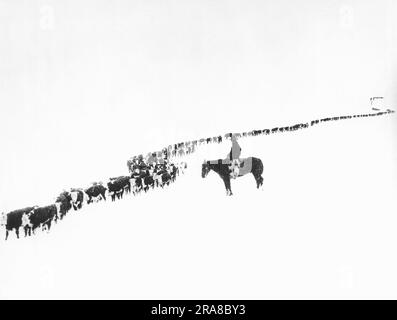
x=257, y=165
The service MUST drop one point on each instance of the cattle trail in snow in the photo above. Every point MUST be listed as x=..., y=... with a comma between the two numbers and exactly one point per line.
x=156, y=169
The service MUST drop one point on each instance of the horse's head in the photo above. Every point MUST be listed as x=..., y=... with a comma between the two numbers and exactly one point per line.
x=205, y=169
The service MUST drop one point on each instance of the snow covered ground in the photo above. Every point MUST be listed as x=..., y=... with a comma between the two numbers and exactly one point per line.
x=322, y=227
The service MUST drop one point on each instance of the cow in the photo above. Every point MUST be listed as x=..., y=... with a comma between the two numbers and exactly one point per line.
x=78, y=197
x=95, y=191
x=157, y=176
x=133, y=184
x=181, y=152
x=257, y=132
x=136, y=179
x=117, y=186
x=65, y=201
x=148, y=182
x=165, y=179
x=138, y=184
x=174, y=172
x=13, y=220
x=43, y=216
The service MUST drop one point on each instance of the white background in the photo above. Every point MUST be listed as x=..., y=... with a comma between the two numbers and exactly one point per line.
x=84, y=85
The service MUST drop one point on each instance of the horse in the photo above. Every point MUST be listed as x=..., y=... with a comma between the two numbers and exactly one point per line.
x=222, y=168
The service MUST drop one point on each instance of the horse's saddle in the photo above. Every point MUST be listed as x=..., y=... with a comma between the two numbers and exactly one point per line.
x=241, y=163
x=245, y=166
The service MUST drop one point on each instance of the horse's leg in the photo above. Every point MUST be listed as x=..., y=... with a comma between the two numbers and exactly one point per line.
x=226, y=180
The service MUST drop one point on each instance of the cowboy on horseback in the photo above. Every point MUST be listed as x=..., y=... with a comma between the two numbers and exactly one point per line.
x=234, y=156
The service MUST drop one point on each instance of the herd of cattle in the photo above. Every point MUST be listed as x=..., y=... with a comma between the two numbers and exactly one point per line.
x=142, y=178
x=185, y=148
x=154, y=170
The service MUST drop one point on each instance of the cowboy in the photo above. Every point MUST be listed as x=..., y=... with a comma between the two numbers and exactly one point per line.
x=234, y=156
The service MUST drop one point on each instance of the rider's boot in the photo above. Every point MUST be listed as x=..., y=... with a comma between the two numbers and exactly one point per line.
x=235, y=168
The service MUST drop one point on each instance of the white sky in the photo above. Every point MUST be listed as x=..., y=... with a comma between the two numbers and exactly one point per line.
x=86, y=84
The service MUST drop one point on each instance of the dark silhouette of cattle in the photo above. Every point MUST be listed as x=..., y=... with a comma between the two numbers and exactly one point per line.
x=137, y=182
x=166, y=179
x=65, y=201
x=148, y=181
x=137, y=179
x=77, y=198
x=117, y=187
x=42, y=217
x=13, y=220
x=174, y=172
x=96, y=191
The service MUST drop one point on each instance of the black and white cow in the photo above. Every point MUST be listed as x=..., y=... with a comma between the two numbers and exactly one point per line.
x=137, y=178
x=78, y=197
x=117, y=187
x=148, y=182
x=158, y=174
x=65, y=201
x=165, y=179
x=136, y=182
x=42, y=217
x=174, y=172
x=97, y=191
x=13, y=220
